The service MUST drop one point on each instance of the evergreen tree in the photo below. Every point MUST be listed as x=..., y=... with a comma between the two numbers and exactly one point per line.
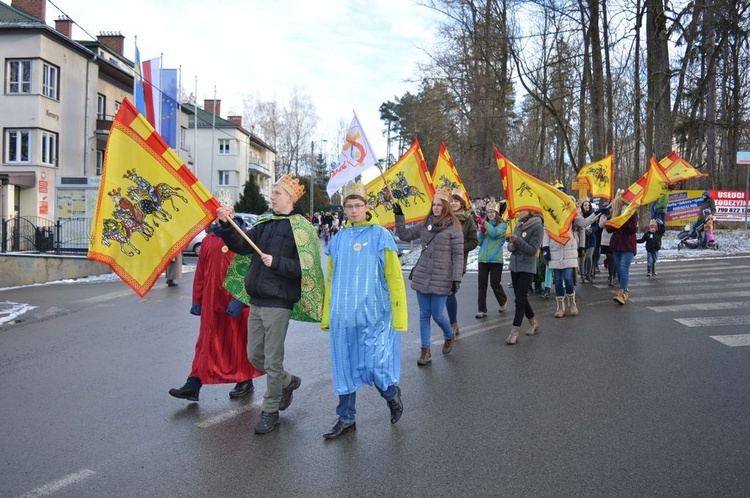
x=251, y=200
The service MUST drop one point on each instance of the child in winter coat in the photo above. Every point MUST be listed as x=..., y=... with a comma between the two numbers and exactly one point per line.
x=652, y=238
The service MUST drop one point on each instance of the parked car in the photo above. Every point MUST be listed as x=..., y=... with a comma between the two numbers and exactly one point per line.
x=195, y=245
x=248, y=218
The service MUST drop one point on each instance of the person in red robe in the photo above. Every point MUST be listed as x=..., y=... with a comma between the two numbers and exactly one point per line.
x=221, y=349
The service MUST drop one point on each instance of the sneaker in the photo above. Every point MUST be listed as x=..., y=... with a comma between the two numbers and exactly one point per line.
x=481, y=314
x=288, y=391
x=171, y=283
x=425, y=357
x=267, y=422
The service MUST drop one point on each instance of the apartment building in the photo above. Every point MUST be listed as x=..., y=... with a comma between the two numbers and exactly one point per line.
x=57, y=104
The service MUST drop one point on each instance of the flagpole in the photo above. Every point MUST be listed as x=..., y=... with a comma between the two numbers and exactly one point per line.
x=213, y=138
x=178, y=125
x=247, y=239
x=195, y=129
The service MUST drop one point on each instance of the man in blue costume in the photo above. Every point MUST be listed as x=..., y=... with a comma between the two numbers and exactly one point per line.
x=364, y=307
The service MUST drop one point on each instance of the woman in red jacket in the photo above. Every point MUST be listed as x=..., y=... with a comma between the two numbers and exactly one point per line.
x=623, y=247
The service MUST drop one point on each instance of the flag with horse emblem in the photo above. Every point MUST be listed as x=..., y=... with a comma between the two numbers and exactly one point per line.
x=524, y=192
x=150, y=205
x=409, y=185
x=600, y=177
x=445, y=173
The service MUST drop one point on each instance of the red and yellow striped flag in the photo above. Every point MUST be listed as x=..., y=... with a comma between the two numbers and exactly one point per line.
x=677, y=169
x=527, y=193
x=150, y=204
x=645, y=190
x=445, y=173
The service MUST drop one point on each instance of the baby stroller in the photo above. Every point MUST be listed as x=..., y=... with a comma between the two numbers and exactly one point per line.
x=693, y=237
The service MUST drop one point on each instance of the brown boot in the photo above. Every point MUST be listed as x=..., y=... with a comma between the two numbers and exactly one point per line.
x=560, y=311
x=534, y=327
x=448, y=345
x=454, y=326
x=619, y=297
x=626, y=294
x=572, y=304
x=425, y=357
x=513, y=336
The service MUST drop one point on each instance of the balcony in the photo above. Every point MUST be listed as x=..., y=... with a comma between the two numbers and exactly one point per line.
x=259, y=167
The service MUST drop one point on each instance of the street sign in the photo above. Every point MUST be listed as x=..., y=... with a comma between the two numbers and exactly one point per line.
x=579, y=185
x=743, y=157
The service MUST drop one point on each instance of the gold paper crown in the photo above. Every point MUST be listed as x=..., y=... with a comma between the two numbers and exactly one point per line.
x=460, y=193
x=443, y=193
x=291, y=185
x=493, y=206
x=355, y=188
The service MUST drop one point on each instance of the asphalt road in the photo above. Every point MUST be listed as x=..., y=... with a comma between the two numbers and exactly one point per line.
x=646, y=399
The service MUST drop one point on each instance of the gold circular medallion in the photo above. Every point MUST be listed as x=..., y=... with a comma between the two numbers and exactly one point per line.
x=224, y=249
x=523, y=234
x=357, y=246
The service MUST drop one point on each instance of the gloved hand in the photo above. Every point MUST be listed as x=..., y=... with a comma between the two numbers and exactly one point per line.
x=546, y=253
x=235, y=308
x=581, y=252
x=396, y=208
x=195, y=309
x=602, y=210
x=456, y=285
x=482, y=229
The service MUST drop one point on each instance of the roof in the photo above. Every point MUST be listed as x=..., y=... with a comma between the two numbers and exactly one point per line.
x=12, y=15
x=12, y=18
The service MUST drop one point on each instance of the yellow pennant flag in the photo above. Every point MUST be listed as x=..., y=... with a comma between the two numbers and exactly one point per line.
x=600, y=177
x=677, y=169
x=150, y=204
x=524, y=192
x=645, y=190
x=410, y=186
x=446, y=174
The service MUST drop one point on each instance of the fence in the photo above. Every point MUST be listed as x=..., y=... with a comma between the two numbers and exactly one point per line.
x=37, y=234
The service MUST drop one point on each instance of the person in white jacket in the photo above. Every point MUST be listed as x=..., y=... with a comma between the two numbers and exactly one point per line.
x=563, y=259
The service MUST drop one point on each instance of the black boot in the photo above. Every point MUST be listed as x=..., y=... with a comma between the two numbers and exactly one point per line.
x=189, y=391
x=396, y=406
x=340, y=429
x=242, y=389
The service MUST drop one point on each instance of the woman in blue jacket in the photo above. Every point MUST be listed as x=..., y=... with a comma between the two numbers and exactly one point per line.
x=491, y=239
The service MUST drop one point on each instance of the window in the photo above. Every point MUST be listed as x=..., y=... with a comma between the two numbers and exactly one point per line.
x=18, y=146
x=49, y=148
x=101, y=106
x=19, y=76
x=223, y=178
x=49, y=81
x=223, y=146
x=117, y=106
x=99, y=162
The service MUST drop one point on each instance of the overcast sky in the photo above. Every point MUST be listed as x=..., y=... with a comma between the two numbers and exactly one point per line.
x=345, y=54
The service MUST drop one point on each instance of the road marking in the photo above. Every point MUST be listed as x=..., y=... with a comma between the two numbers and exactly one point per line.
x=56, y=486
x=701, y=307
x=733, y=340
x=475, y=329
x=106, y=297
x=223, y=417
x=723, y=295
x=714, y=321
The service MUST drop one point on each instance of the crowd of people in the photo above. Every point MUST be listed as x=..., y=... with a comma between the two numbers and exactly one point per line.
x=250, y=284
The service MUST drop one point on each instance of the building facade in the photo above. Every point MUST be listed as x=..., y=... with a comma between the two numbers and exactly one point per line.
x=57, y=104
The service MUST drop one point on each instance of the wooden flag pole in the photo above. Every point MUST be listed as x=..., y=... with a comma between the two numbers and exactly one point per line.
x=244, y=235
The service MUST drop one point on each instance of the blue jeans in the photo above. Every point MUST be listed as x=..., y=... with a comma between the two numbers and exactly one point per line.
x=346, y=408
x=563, y=276
x=651, y=257
x=623, y=260
x=431, y=305
x=451, y=304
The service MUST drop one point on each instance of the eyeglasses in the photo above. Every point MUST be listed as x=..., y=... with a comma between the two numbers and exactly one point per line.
x=353, y=207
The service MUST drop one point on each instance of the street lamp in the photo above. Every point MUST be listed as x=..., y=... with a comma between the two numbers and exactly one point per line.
x=312, y=173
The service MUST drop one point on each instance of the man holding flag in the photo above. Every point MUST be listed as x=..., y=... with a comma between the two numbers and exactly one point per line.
x=288, y=260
